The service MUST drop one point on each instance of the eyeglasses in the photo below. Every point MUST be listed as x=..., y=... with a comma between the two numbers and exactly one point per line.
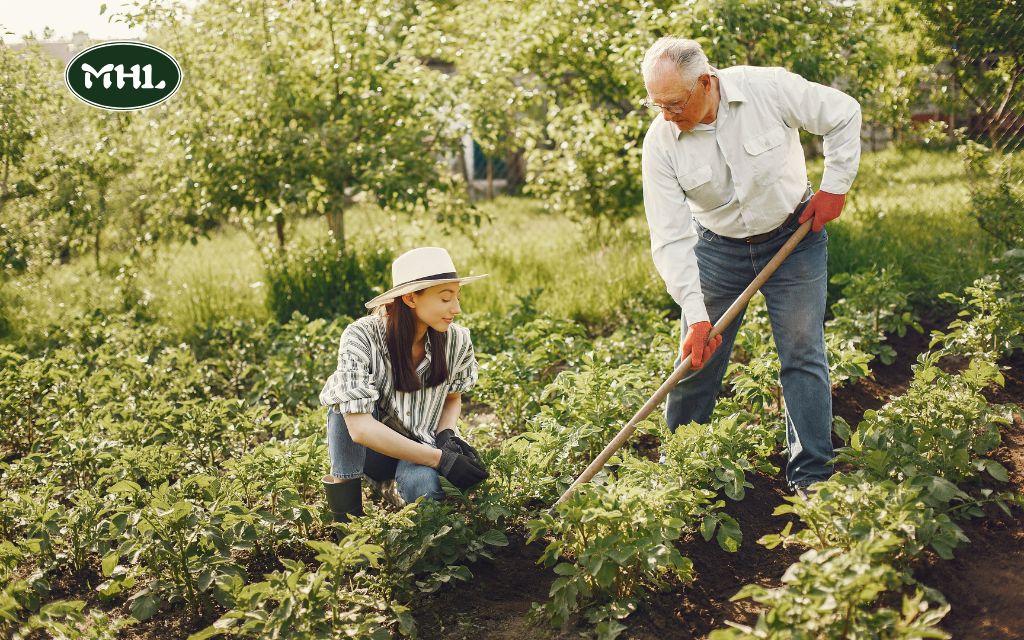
x=650, y=104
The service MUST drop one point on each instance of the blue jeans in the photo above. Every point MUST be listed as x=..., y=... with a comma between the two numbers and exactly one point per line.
x=795, y=296
x=348, y=458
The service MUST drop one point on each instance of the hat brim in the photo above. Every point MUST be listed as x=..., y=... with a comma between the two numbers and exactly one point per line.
x=416, y=285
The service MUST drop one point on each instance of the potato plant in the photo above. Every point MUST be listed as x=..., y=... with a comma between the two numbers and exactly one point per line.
x=848, y=509
x=917, y=465
x=833, y=594
x=938, y=428
x=512, y=380
x=874, y=304
x=990, y=322
x=177, y=542
x=620, y=538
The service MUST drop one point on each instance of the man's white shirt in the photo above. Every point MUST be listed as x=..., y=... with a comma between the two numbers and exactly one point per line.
x=744, y=173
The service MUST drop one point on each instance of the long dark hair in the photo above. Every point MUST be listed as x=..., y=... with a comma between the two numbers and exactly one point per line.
x=400, y=324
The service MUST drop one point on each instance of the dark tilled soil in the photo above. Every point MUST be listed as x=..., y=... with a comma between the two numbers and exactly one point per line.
x=984, y=583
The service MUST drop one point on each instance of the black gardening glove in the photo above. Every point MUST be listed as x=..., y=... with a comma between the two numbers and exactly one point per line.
x=460, y=469
x=448, y=435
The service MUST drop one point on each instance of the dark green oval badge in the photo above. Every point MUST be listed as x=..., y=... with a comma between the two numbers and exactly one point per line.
x=123, y=75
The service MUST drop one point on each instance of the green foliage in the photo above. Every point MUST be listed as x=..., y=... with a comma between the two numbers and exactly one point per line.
x=983, y=41
x=849, y=509
x=308, y=604
x=283, y=365
x=585, y=408
x=621, y=537
x=513, y=379
x=178, y=543
x=834, y=593
x=721, y=455
x=320, y=281
x=997, y=194
x=593, y=166
x=66, y=620
x=864, y=528
x=990, y=322
x=874, y=304
x=322, y=112
x=936, y=429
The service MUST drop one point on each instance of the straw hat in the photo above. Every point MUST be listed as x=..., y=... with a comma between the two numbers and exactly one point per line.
x=420, y=269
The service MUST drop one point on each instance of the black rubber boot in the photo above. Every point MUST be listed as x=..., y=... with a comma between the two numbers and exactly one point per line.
x=344, y=497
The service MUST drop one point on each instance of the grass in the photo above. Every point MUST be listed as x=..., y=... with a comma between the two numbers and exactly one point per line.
x=908, y=208
x=523, y=248
x=911, y=208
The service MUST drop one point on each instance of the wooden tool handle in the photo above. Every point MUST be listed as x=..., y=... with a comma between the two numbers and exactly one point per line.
x=684, y=366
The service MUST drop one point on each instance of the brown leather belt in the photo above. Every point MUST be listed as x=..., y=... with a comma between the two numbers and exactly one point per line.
x=768, y=235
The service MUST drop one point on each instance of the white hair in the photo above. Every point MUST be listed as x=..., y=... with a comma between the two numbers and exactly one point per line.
x=687, y=56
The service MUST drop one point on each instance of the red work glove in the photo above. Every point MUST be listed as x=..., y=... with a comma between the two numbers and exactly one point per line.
x=825, y=207
x=698, y=335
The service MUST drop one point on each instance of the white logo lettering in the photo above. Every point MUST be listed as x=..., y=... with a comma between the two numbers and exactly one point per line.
x=147, y=73
x=88, y=69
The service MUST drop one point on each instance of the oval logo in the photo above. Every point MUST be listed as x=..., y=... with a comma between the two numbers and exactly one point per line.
x=123, y=75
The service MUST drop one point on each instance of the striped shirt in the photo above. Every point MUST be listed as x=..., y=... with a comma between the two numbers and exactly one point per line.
x=364, y=379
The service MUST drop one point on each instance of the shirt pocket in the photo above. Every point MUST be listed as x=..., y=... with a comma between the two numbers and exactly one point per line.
x=766, y=154
x=695, y=178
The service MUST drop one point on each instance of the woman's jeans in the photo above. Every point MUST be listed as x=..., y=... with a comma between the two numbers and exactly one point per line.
x=348, y=459
x=795, y=294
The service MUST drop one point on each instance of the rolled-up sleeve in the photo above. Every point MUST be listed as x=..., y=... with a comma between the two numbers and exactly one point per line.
x=827, y=112
x=672, y=236
x=466, y=369
x=350, y=389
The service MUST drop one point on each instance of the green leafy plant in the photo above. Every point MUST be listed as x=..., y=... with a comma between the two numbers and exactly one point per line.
x=833, y=593
x=178, y=543
x=874, y=305
x=621, y=538
x=308, y=604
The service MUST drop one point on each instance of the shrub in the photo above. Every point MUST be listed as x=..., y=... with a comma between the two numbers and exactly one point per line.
x=320, y=281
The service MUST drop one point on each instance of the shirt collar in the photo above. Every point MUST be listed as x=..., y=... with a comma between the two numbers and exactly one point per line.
x=730, y=91
x=729, y=87
x=426, y=355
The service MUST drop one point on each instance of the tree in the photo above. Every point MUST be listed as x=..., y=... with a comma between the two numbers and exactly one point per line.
x=301, y=106
x=586, y=57
x=984, y=43
x=26, y=85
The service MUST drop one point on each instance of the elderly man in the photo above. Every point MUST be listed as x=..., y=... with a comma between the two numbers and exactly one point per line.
x=725, y=185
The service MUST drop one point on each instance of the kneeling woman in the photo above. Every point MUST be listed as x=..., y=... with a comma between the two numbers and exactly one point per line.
x=396, y=395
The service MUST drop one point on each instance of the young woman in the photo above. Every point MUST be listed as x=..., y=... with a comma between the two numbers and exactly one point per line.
x=395, y=398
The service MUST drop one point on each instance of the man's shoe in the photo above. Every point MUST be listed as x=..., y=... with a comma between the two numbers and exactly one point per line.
x=803, y=488
x=344, y=497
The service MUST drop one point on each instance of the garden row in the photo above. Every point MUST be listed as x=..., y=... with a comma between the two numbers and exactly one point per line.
x=154, y=479
x=615, y=539
x=919, y=467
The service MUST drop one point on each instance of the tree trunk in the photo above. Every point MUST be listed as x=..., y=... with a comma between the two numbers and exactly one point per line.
x=279, y=228
x=3, y=185
x=100, y=220
x=490, y=178
x=515, y=175
x=464, y=169
x=336, y=225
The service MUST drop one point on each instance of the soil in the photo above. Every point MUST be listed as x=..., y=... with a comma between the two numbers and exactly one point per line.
x=984, y=583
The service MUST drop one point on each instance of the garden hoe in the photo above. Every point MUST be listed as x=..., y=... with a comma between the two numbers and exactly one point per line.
x=684, y=367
